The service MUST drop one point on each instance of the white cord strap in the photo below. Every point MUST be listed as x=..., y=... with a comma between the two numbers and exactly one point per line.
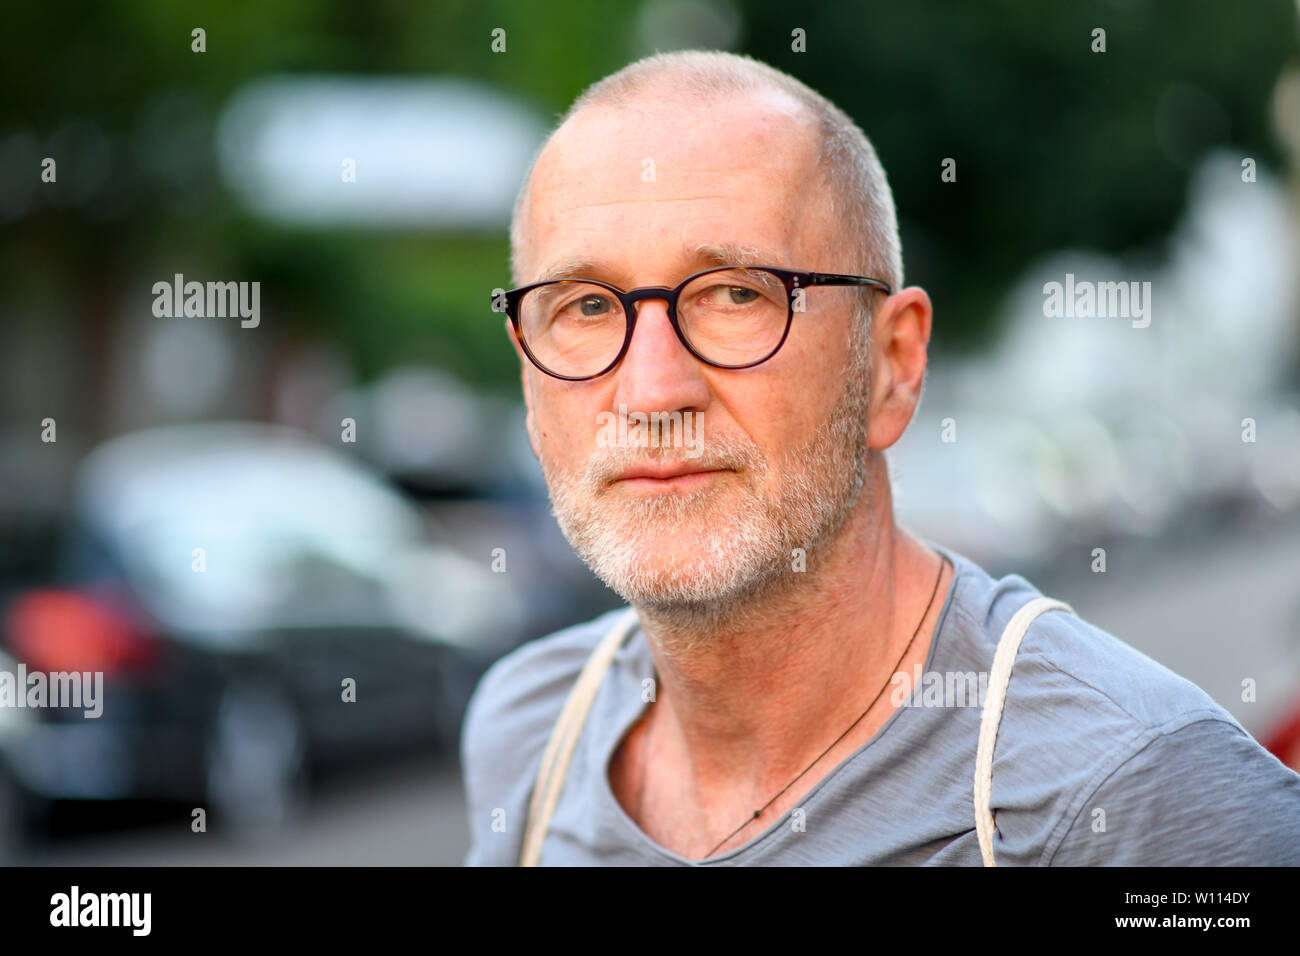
x=559, y=750
x=1003, y=660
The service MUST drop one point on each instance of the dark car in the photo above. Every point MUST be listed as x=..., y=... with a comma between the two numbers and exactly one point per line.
x=260, y=608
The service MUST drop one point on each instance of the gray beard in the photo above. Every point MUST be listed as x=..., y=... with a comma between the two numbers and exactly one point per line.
x=747, y=540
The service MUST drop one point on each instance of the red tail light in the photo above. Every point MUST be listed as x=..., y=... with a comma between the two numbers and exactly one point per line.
x=1284, y=742
x=54, y=630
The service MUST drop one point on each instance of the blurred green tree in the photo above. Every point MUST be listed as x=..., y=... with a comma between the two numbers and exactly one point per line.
x=1055, y=144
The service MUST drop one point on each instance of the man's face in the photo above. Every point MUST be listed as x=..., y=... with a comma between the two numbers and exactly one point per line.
x=648, y=194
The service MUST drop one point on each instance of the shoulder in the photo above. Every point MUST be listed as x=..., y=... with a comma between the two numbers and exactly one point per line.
x=1071, y=668
x=1092, y=724
x=1205, y=794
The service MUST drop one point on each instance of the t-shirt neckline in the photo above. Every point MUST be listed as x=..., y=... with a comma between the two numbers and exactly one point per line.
x=641, y=650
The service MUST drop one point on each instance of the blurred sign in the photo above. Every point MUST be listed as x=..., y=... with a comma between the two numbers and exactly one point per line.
x=377, y=152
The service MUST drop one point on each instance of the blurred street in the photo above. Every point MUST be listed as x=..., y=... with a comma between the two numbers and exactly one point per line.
x=405, y=816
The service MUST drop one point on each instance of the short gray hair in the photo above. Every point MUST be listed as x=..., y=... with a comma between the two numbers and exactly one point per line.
x=857, y=188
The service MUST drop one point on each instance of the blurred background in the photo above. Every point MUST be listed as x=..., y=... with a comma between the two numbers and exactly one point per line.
x=229, y=522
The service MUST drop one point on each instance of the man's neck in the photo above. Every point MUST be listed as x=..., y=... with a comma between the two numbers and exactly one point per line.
x=750, y=706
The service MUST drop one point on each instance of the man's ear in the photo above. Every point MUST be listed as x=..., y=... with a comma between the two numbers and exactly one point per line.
x=530, y=420
x=900, y=333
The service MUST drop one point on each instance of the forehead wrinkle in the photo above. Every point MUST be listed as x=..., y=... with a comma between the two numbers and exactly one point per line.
x=705, y=253
x=598, y=204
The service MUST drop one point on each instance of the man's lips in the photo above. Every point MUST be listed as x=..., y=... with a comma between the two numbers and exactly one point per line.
x=665, y=475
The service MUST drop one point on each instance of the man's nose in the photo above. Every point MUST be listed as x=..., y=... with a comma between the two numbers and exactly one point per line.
x=658, y=374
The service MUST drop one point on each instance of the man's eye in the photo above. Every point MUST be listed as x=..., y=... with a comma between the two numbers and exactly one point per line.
x=593, y=305
x=739, y=295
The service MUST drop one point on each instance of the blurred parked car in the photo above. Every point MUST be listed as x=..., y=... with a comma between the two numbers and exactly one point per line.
x=229, y=581
x=1283, y=742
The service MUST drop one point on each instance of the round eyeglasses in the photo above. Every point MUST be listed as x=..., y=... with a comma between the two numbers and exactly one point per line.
x=728, y=317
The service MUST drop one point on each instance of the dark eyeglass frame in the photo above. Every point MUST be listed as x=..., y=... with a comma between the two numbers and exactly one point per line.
x=793, y=279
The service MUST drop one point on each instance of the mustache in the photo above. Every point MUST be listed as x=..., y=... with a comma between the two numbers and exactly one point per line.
x=723, y=452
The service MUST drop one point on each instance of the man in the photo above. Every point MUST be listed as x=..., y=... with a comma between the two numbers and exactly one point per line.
x=775, y=597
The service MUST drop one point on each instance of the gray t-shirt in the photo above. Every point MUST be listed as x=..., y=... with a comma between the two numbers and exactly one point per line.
x=1103, y=757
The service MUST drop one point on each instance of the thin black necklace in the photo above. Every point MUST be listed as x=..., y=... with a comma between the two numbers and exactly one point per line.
x=943, y=562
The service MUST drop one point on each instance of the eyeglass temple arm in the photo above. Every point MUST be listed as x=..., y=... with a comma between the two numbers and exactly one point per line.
x=828, y=278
